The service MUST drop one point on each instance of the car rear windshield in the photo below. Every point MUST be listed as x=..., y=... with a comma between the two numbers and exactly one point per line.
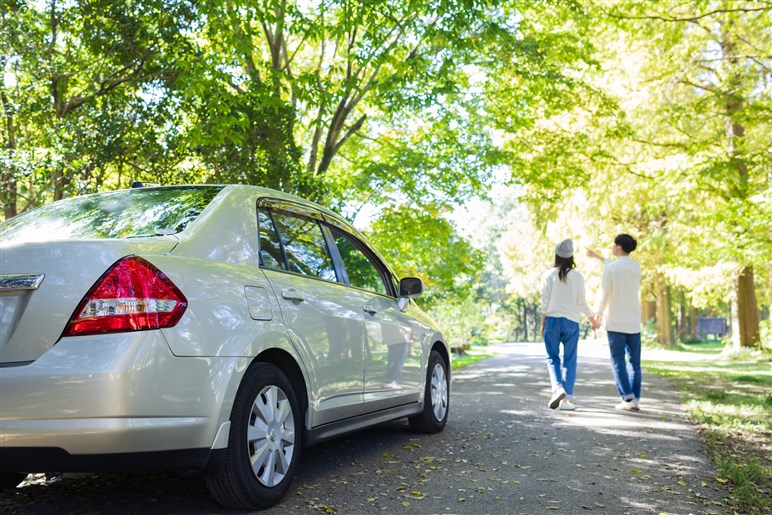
x=132, y=213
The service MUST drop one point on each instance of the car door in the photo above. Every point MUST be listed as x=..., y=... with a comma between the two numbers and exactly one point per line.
x=393, y=348
x=322, y=322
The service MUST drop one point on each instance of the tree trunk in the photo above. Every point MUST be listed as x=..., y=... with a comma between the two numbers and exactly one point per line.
x=682, y=321
x=58, y=180
x=7, y=179
x=664, y=315
x=536, y=321
x=648, y=304
x=693, y=323
x=525, y=321
x=747, y=308
x=463, y=332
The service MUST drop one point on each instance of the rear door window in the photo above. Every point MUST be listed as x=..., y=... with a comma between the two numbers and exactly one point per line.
x=270, y=248
x=304, y=245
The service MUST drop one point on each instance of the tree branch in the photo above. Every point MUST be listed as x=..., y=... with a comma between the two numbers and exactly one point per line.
x=691, y=19
x=354, y=128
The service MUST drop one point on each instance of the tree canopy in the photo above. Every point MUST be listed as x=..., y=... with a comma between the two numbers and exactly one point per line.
x=606, y=117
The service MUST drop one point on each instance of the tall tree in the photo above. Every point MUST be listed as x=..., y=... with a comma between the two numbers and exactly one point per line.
x=711, y=63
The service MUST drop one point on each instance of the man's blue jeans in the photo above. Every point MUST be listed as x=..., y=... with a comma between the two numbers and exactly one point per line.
x=557, y=331
x=626, y=363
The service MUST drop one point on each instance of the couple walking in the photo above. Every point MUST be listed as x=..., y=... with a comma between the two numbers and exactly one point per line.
x=562, y=302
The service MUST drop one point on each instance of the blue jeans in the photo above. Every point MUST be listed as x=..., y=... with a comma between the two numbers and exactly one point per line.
x=626, y=363
x=565, y=331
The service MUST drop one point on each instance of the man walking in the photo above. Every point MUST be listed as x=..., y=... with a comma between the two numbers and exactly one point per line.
x=619, y=293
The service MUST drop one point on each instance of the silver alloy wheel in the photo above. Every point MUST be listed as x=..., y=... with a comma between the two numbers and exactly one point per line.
x=439, y=392
x=271, y=436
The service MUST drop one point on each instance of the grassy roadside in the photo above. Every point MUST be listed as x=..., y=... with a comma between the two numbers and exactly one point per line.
x=730, y=397
x=472, y=356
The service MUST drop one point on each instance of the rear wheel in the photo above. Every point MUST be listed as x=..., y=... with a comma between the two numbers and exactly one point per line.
x=264, y=441
x=10, y=480
x=436, y=398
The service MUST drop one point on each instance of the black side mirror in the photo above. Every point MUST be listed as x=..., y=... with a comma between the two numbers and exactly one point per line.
x=410, y=287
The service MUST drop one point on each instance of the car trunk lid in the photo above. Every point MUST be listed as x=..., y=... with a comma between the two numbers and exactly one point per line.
x=41, y=284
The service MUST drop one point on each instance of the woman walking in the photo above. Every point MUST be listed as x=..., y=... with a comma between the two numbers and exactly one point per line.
x=562, y=301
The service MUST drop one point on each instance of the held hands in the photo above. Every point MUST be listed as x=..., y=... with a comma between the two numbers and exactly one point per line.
x=595, y=323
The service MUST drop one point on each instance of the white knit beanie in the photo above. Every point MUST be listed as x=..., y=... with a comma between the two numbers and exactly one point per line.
x=565, y=249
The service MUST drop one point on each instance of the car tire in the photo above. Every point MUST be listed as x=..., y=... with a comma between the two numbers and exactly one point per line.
x=10, y=480
x=264, y=441
x=434, y=416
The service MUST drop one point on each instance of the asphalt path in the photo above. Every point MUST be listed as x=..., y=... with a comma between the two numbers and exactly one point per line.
x=503, y=451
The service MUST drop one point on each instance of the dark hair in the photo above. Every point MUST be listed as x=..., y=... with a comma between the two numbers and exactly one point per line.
x=565, y=265
x=627, y=242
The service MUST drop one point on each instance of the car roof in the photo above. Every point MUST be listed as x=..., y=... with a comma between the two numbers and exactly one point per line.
x=263, y=192
x=268, y=193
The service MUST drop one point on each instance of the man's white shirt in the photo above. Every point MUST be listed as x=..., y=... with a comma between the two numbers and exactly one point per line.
x=619, y=292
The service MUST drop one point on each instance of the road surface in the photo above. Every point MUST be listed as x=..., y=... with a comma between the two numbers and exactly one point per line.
x=502, y=452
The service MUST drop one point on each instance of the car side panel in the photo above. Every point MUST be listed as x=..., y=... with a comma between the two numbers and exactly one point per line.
x=394, y=353
x=329, y=328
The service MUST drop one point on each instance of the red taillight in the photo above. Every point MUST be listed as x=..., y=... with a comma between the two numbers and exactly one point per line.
x=133, y=295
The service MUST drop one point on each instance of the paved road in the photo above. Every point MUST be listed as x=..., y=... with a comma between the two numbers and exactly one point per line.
x=503, y=451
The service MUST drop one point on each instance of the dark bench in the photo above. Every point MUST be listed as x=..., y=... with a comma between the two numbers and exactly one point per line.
x=711, y=325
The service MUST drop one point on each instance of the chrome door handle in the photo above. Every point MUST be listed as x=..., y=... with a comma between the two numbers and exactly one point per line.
x=369, y=309
x=292, y=294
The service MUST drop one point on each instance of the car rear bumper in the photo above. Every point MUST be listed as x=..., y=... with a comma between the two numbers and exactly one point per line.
x=117, y=402
x=103, y=435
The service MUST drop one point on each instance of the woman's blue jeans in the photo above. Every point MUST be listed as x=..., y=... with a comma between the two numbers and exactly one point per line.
x=565, y=331
x=626, y=363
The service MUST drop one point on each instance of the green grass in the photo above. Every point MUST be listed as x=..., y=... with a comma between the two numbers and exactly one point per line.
x=467, y=359
x=730, y=398
x=704, y=347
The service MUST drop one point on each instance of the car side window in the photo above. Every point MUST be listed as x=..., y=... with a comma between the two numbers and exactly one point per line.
x=304, y=245
x=362, y=272
x=270, y=249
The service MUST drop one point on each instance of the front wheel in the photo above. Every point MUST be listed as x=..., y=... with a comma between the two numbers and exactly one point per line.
x=436, y=398
x=264, y=441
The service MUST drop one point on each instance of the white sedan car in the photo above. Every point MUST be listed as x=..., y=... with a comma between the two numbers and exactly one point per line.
x=207, y=329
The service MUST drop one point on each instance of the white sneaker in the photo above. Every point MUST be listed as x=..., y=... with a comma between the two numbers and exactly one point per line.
x=626, y=405
x=566, y=405
x=636, y=404
x=557, y=397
